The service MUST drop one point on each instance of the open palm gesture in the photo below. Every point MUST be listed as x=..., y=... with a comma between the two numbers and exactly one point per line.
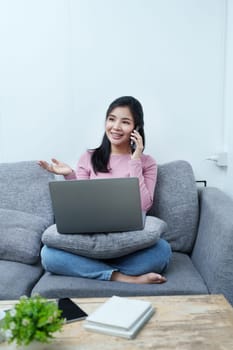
x=56, y=167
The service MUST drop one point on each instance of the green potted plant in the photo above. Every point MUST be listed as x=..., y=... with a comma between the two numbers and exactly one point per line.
x=32, y=319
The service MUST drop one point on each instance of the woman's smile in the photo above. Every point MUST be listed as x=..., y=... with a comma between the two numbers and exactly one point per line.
x=116, y=135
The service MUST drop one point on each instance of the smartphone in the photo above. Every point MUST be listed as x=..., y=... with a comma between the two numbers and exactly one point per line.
x=132, y=143
x=71, y=311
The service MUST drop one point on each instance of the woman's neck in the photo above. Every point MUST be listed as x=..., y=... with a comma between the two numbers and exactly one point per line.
x=120, y=150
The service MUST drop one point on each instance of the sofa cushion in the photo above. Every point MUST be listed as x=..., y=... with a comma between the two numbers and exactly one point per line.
x=17, y=279
x=213, y=251
x=176, y=202
x=20, y=236
x=24, y=187
x=182, y=279
x=106, y=245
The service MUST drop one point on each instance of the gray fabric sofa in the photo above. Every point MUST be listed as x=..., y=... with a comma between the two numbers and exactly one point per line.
x=200, y=231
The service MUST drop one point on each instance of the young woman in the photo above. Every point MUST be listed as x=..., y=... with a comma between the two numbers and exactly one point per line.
x=119, y=155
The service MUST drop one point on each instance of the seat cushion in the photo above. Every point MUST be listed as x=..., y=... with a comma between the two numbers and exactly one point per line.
x=17, y=279
x=106, y=245
x=176, y=202
x=20, y=236
x=182, y=279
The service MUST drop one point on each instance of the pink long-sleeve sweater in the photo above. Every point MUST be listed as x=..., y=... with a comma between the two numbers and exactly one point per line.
x=123, y=166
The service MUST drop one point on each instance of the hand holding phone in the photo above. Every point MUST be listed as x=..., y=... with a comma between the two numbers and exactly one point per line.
x=132, y=143
x=70, y=311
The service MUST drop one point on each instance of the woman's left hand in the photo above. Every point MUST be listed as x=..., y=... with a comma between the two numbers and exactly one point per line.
x=137, y=139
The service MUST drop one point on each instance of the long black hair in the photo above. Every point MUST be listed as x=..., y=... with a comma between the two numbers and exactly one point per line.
x=101, y=155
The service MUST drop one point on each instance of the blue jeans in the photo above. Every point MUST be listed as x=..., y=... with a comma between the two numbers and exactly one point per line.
x=152, y=259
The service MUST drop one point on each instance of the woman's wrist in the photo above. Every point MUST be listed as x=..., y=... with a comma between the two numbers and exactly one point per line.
x=71, y=175
x=135, y=157
x=71, y=172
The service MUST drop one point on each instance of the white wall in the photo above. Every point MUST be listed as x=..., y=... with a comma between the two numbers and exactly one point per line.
x=36, y=94
x=63, y=61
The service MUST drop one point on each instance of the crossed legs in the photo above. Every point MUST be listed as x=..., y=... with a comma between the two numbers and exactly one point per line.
x=143, y=266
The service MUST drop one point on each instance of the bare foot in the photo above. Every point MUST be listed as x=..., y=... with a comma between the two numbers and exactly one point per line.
x=147, y=278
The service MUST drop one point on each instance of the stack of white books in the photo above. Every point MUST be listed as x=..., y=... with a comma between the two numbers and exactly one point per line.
x=120, y=316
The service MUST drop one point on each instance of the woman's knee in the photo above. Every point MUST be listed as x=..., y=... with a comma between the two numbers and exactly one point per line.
x=49, y=257
x=45, y=257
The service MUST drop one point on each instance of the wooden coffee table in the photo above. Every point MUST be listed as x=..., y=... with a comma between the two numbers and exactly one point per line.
x=180, y=322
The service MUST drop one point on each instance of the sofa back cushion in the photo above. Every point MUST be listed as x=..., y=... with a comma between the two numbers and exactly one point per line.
x=20, y=236
x=176, y=202
x=24, y=187
x=25, y=210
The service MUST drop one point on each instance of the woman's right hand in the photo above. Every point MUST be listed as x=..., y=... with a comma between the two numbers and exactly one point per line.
x=56, y=167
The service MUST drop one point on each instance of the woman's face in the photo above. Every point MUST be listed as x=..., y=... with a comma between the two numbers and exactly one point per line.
x=118, y=127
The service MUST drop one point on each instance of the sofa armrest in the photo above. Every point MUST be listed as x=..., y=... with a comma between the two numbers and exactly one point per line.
x=213, y=250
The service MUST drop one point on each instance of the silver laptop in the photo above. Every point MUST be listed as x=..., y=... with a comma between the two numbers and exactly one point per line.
x=98, y=205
